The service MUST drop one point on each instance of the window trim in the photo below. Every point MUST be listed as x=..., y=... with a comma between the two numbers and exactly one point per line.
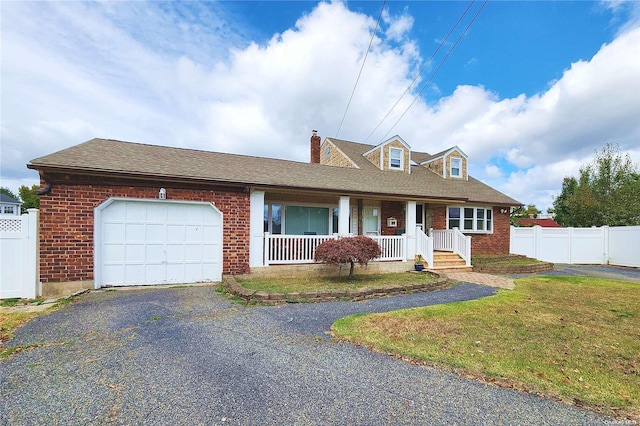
x=401, y=165
x=459, y=160
x=488, y=219
x=283, y=216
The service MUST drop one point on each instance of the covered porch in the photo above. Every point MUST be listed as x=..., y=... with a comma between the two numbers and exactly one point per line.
x=286, y=229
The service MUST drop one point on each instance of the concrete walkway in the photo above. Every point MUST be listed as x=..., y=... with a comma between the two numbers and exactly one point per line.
x=484, y=279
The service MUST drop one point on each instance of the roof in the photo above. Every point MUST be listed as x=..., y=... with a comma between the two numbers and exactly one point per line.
x=4, y=198
x=134, y=160
x=545, y=223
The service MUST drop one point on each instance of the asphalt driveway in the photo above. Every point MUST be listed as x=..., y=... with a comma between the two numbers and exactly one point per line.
x=190, y=356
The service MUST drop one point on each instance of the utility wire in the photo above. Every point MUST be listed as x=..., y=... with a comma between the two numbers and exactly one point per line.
x=442, y=42
x=437, y=69
x=362, y=67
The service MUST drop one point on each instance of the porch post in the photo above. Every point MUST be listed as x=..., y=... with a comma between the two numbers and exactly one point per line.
x=343, y=216
x=256, y=229
x=410, y=229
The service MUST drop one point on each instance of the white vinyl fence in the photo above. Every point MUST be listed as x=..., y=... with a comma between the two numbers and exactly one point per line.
x=19, y=255
x=619, y=245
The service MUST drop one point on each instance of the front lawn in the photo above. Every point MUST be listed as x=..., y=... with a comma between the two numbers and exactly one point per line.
x=316, y=283
x=572, y=338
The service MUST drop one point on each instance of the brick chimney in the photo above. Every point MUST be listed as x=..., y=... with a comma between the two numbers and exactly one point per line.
x=315, y=147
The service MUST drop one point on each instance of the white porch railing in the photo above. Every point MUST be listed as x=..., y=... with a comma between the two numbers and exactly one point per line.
x=393, y=247
x=288, y=249
x=291, y=249
x=424, y=246
x=455, y=241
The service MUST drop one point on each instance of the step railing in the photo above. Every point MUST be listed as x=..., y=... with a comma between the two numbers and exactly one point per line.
x=424, y=246
x=453, y=240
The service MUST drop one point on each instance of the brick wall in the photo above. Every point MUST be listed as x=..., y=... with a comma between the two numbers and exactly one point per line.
x=392, y=209
x=496, y=243
x=67, y=219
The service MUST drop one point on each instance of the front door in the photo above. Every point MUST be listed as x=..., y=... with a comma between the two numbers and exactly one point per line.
x=371, y=221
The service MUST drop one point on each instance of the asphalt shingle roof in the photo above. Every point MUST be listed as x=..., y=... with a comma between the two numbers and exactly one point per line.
x=107, y=156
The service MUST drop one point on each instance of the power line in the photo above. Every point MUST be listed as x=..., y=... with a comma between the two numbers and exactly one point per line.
x=442, y=42
x=437, y=69
x=362, y=67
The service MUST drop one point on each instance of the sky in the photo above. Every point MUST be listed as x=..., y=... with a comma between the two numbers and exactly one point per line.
x=529, y=90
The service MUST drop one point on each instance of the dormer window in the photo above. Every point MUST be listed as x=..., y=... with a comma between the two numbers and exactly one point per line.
x=456, y=167
x=396, y=157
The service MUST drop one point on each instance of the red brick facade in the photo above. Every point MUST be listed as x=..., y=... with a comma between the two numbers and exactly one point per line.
x=496, y=243
x=396, y=210
x=67, y=220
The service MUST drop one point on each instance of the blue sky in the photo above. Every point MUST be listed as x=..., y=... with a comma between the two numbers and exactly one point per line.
x=530, y=92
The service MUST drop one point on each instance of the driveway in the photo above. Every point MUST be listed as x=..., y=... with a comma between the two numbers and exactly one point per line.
x=173, y=356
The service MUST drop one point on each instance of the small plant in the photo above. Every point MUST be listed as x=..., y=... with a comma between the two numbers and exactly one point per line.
x=419, y=259
x=352, y=250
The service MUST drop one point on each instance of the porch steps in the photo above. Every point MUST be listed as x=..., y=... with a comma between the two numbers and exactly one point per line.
x=444, y=261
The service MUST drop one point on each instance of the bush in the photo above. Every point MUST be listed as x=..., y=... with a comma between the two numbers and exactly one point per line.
x=352, y=250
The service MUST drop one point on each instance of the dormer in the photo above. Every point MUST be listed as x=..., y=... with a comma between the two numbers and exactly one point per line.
x=393, y=154
x=450, y=164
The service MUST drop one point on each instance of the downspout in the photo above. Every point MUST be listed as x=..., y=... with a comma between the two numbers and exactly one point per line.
x=43, y=191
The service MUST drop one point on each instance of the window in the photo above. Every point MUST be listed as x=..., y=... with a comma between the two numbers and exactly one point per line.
x=456, y=167
x=470, y=219
x=8, y=210
x=396, y=157
x=272, y=218
x=419, y=216
x=301, y=220
x=327, y=152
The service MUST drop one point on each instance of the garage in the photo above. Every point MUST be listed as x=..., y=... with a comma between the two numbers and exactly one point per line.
x=144, y=242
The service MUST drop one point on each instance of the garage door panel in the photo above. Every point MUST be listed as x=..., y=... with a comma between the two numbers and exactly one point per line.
x=155, y=273
x=135, y=232
x=112, y=274
x=175, y=253
x=136, y=213
x=113, y=232
x=156, y=213
x=175, y=233
x=211, y=252
x=154, y=252
x=194, y=233
x=194, y=253
x=135, y=253
x=155, y=232
x=152, y=242
x=114, y=252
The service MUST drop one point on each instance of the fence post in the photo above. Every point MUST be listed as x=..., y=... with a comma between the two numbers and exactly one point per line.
x=605, y=245
x=537, y=231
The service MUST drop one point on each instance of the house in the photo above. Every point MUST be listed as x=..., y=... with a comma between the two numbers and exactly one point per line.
x=121, y=213
x=9, y=205
x=542, y=222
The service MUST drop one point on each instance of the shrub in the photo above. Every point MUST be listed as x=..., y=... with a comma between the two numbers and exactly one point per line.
x=352, y=250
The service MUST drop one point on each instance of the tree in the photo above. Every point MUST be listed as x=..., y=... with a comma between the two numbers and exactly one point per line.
x=8, y=192
x=531, y=211
x=606, y=192
x=352, y=250
x=30, y=200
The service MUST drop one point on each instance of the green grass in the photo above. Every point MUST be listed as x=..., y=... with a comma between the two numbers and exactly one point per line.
x=575, y=339
x=502, y=260
x=10, y=321
x=302, y=284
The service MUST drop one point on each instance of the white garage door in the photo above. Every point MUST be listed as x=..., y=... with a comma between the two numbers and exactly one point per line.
x=157, y=242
